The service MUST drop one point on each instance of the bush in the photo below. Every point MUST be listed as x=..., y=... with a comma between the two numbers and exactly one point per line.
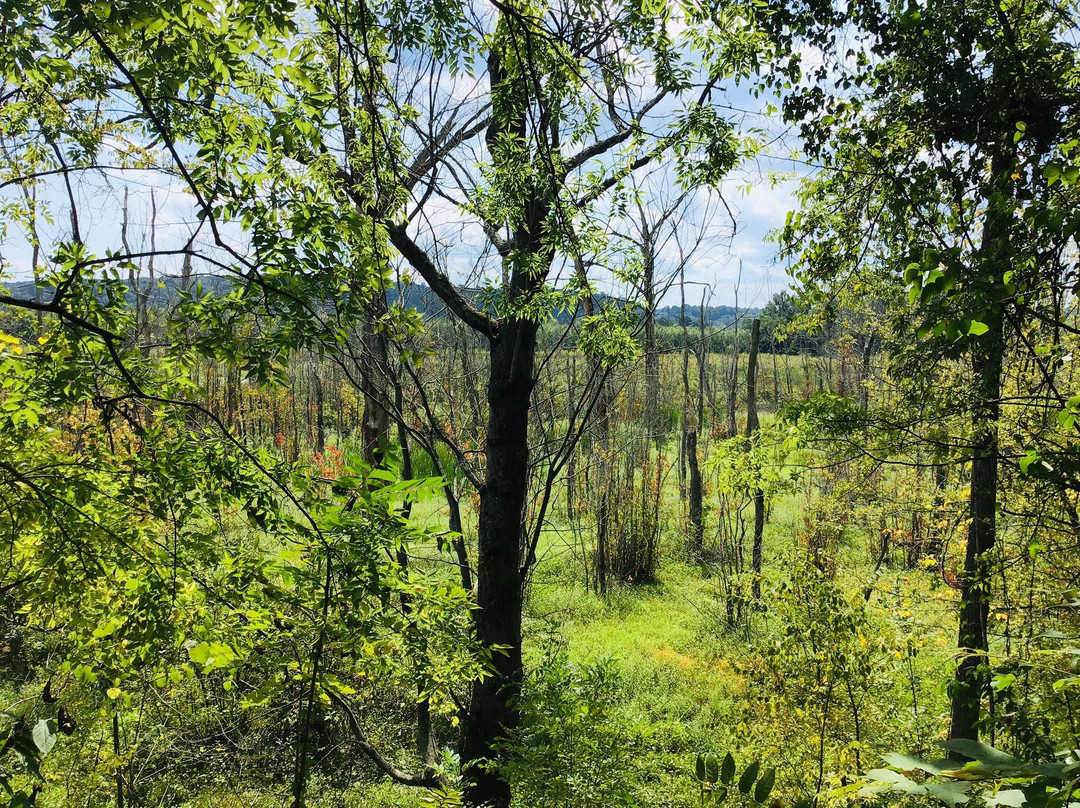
x=571, y=748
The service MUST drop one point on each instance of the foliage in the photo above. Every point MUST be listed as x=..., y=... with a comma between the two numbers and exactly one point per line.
x=573, y=747
x=30, y=743
x=224, y=597
x=992, y=777
x=717, y=777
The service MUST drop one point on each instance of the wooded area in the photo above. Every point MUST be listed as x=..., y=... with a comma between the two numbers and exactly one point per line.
x=368, y=436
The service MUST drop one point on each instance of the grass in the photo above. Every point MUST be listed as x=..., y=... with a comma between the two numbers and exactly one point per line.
x=688, y=685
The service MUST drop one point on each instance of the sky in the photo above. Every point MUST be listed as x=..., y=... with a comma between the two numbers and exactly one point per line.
x=733, y=265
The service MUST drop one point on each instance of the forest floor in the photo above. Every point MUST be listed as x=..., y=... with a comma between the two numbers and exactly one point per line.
x=818, y=680
x=687, y=683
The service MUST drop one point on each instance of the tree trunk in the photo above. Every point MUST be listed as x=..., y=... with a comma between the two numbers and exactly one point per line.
x=752, y=426
x=652, y=353
x=696, y=506
x=703, y=367
x=687, y=426
x=751, y=381
x=295, y=417
x=320, y=423
x=936, y=534
x=602, y=514
x=864, y=373
x=697, y=528
x=601, y=449
x=775, y=381
x=499, y=539
x=571, y=462
x=972, y=672
x=733, y=381
x=375, y=427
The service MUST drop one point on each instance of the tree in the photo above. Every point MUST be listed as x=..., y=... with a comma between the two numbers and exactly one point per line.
x=649, y=237
x=325, y=136
x=120, y=538
x=923, y=187
x=558, y=138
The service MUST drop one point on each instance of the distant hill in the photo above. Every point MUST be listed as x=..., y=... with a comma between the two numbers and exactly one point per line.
x=714, y=315
x=165, y=293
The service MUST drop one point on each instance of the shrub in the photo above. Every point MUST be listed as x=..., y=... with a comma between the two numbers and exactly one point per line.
x=571, y=748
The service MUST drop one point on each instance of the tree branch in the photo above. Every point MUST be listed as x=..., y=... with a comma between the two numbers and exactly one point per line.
x=603, y=146
x=440, y=284
x=385, y=766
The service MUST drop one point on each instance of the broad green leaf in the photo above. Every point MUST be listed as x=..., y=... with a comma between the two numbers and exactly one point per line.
x=746, y=782
x=1012, y=797
x=199, y=654
x=712, y=769
x=981, y=752
x=765, y=786
x=950, y=792
x=999, y=683
x=908, y=763
x=727, y=769
x=45, y=735
x=1025, y=462
x=896, y=780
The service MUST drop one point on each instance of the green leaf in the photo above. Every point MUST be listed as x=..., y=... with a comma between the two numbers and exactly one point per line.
x=999, y=683
x=765, y=786
x=727, y=769
x=1066, y=418
x=45, y=735
x=898, y=781
x=712, y=769
x=981, y=752
x=908, y=763
x=976, y=328
x=1030, y=457
x=951, y=792
x=699, y=769
x=1012, y=797
x=746, y=782
x=199, y=654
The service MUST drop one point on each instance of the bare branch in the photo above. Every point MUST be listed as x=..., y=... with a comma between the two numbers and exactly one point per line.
x=384, y=765
x=440, y=284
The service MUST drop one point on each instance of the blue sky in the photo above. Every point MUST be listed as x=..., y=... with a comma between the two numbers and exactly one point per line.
x=732, y=264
